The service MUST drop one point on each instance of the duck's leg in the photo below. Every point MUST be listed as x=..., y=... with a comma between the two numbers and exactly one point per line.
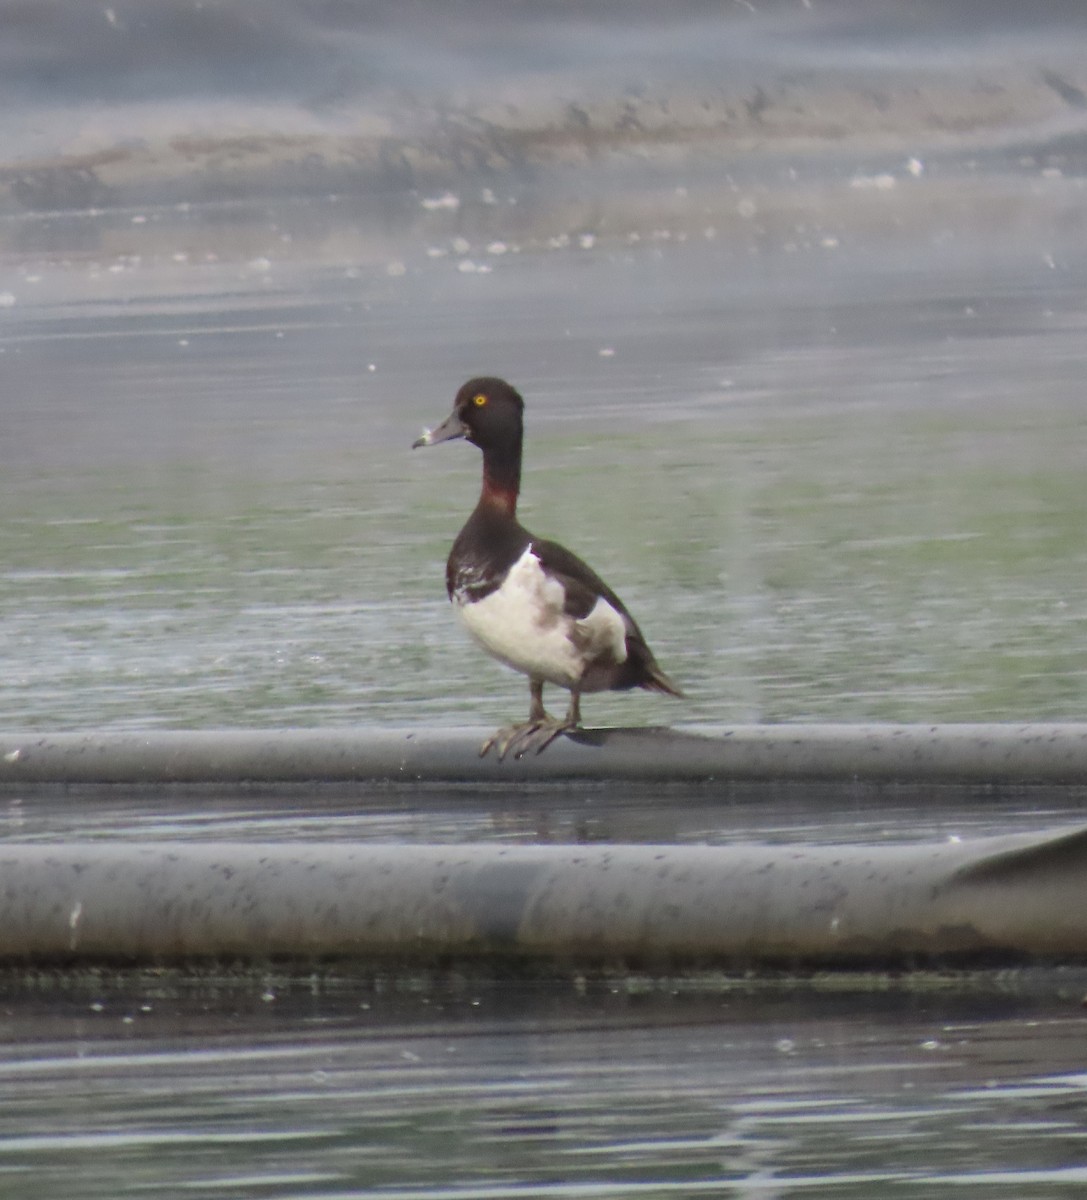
x=506, y=737
x=536, y=710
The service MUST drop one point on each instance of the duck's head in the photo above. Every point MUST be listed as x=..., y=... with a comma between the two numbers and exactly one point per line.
x=487, y=412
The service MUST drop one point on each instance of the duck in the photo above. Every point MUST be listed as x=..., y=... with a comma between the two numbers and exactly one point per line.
x=531, y=603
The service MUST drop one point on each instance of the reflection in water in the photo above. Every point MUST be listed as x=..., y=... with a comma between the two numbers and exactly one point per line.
x=447, y=1084
x=436, y=1087
x=715, y=813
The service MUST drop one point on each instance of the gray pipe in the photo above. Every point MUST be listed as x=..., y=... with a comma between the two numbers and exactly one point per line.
x=1004, y=899
x=1050, y=753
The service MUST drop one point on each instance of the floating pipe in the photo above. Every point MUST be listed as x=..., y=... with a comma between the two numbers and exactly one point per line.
x=1012, y=898
x=986, y=753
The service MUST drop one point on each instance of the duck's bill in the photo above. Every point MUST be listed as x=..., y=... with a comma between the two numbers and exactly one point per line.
x=452, y=427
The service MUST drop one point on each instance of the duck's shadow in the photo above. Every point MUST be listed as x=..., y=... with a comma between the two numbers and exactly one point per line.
x=620, y=734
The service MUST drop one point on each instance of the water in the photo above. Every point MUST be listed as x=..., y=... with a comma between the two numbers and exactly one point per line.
x=828, y=496
x=796, y=300
x=830, y=369
x=354, y=1082
x=718, y=813
x=459, y=1088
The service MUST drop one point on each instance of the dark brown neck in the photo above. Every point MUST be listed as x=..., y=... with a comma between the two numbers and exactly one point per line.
x=501, y=481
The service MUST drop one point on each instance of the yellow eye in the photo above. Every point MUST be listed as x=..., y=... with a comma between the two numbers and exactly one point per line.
x=479, y=400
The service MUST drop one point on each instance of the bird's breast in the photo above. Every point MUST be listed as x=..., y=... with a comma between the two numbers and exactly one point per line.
x=522, y=623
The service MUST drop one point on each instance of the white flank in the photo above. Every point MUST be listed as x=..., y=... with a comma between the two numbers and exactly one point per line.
x=522, y=624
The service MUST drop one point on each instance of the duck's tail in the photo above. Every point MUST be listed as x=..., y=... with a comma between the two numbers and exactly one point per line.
x=657, y=681
x=640, y=668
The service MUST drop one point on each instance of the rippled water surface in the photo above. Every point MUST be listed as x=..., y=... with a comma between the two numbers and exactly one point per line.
x=830, y=485
x=714, y=813
x=803, y=355
x=832, y=482
x=436, y=1088
x=343, y=1082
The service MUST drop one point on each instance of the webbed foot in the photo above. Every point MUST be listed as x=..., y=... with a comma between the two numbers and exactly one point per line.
x=529, y=737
